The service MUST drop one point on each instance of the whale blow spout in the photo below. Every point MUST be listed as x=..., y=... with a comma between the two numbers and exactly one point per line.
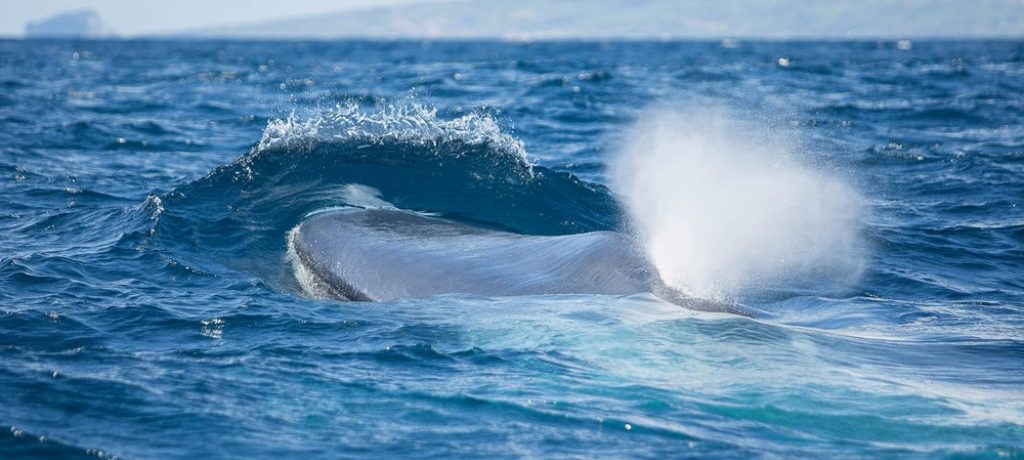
x=385, y=254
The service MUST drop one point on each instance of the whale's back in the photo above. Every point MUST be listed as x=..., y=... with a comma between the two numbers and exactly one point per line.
x=384, y=254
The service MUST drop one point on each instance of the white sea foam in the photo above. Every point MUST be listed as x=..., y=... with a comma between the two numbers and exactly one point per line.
x=409, y=122
x=722, y=210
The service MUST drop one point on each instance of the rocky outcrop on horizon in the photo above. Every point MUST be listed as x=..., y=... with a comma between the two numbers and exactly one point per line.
x=72, y=24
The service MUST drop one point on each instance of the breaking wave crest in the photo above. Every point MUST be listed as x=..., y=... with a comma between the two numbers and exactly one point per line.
x=412, y=124
x=466, y=169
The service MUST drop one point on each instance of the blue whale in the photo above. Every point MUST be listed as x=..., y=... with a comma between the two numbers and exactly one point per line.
x=385, y=254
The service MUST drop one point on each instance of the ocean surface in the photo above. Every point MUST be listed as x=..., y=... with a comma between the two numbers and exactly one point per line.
x=845, y=218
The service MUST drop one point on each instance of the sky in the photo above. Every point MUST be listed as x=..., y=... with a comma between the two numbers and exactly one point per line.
x=135, y=17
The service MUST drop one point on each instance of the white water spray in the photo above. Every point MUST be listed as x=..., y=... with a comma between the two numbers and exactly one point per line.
x=724, y=210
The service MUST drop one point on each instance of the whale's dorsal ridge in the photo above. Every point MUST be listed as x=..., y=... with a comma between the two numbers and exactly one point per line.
x=385, y=254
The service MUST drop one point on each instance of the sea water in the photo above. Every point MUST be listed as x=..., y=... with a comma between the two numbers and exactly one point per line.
x=850, y=212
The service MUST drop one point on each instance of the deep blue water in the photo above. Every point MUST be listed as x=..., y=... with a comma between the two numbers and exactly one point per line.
x=148, y=309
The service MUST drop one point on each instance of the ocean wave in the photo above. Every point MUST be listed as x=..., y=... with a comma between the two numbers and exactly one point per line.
x=466, y=169
x=412, y=123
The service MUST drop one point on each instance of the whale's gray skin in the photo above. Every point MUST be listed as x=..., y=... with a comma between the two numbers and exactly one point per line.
x=384, y=254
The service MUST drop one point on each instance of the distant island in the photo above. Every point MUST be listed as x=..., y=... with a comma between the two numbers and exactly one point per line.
x=73, y=24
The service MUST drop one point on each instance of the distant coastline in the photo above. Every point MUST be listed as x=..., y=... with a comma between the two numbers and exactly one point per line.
x=607, y=20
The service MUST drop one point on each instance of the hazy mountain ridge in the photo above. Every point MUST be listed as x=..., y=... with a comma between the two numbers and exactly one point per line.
x=79, y=24
x=539, y=19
